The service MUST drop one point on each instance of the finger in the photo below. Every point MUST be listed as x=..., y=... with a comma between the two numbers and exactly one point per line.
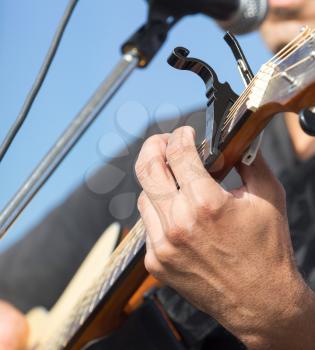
x=258, y=178
x=152, y=171
x=186, y=165
x=13, y=328
x=151, y=221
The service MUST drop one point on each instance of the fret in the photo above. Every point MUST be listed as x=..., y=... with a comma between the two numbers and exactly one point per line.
x=140, y=243
x=77, y=317
x=98, y=289
x=63, y=338
x=103, y=289
x=71, y=328
x=124, y=262
x=65, y=332
x=93, y=303
x=85, y=313
x=58, y=343
x=73, y=324
x=113, y=276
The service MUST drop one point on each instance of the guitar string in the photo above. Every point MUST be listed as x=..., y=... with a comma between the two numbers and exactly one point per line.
x=269, y=80
x=259, y=77
x=274, y=61
x=294, y=45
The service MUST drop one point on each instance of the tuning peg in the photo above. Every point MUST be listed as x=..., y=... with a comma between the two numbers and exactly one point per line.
x=307, y=121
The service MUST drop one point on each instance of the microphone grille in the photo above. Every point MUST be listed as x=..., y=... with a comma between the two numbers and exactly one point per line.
x=249, y=16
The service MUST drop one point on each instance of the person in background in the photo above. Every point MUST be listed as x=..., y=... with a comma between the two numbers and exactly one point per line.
x=56, y=246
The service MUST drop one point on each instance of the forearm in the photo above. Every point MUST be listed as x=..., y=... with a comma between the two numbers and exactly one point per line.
x=292, y=327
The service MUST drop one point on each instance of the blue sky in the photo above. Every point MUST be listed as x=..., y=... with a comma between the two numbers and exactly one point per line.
x=90, y=49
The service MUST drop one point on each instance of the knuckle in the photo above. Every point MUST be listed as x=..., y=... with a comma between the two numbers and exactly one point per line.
x=155, y=146
x=204, y=210
x=280, y=195
x=210, y=207
x=141, y=203
x=153, y=142
x=174, y=150
x=207, y=207
x=164, y=254
x=179, y=141
x=152, y=265
x=176, y=235
x=187, y=131
x=141, y=169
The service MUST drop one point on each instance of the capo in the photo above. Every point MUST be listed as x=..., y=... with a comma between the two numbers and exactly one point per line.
x=242, y=63
x=220, y=96
x=247, y=76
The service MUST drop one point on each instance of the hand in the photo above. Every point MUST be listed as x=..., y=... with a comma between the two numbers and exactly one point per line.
x=228, y=253
x=13, y=328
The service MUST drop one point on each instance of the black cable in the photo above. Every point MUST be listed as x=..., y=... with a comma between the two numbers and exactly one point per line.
x=39, y=79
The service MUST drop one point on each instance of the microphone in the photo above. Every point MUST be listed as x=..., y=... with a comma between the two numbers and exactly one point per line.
x=246, y=18
x=236, y=16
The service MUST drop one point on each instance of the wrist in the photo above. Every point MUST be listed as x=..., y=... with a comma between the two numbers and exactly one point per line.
x=290, y=326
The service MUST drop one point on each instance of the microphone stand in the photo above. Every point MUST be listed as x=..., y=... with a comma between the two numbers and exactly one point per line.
x=137, y=51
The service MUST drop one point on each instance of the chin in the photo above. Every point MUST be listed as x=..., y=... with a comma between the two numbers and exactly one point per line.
x=277, y=35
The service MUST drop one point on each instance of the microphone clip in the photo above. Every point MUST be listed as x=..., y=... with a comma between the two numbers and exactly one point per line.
x=150, y=37
x=162, y=16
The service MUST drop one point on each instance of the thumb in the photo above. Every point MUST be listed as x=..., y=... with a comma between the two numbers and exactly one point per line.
x=13, y=328
x=259, y=179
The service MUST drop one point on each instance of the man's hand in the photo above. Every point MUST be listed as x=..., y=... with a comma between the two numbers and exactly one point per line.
x=13, y=328
x=228, y=253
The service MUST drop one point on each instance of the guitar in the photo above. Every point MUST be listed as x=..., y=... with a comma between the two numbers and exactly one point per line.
x=285, y=83
x=39, y=318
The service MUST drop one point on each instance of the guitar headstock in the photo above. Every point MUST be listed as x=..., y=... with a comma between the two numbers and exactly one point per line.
x=287, y=81
x=289, y=72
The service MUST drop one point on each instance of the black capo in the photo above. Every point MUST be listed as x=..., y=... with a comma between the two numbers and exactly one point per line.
x=220, y=96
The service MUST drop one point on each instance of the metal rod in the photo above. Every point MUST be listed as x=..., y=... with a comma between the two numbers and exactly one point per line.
x=4, y=147
x=67, y=140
